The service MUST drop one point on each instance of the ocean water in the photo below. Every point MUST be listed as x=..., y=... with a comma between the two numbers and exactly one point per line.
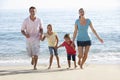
x=106, y=23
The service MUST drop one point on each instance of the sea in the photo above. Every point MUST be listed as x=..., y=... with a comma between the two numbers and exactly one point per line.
x=13, y=43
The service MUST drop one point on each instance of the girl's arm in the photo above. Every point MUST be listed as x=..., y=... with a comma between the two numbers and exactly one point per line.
x=59, y=46
x=93, y=30
x=57, y=41
x=75, y=32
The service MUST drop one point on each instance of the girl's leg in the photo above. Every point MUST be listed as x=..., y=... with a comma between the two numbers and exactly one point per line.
x=51, y=60
x=80, y=51
x=57, y=58
x=85, y=56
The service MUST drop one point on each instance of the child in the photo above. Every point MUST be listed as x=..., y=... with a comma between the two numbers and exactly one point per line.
x=70, y=48
x=52, y=44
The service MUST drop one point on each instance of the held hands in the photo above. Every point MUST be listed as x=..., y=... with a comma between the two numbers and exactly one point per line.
x=27, y=35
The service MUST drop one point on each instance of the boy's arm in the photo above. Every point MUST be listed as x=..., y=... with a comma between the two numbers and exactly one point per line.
x=73, y=46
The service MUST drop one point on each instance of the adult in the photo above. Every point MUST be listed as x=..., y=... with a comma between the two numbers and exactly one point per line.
x=83, y=39
x=32, y=30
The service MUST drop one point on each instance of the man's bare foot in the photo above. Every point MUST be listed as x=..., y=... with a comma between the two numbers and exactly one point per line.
x=35, y=68
x=32, y=62
x=59, y=66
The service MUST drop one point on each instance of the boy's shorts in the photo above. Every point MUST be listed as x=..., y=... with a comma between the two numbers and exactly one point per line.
x=71, y=55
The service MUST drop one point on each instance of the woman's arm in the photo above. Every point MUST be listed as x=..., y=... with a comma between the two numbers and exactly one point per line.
x=94, y=31
x=75, y=32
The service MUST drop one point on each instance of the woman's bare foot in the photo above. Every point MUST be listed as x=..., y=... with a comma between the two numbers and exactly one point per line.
x=81, y=66
x=79, y=62
x=49, y=67
x=59, y=66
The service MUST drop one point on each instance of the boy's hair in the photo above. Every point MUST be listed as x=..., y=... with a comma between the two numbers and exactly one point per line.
x=67, y=36
x=32, y=7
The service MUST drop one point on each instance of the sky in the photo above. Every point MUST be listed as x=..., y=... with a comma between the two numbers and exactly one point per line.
x=47, y=4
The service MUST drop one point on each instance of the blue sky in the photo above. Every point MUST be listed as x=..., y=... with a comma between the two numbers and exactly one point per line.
x=92, y=4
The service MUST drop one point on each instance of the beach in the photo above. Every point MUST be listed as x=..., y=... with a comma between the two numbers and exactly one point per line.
x=103, y=62
x=90, y=72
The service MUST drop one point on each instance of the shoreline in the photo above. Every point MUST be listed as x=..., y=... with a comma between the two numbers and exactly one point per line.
x=90, y=72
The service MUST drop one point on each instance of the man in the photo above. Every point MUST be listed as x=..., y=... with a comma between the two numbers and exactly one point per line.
x=32, y=30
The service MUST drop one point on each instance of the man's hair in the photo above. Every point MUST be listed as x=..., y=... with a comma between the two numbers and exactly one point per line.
x=67, y=36
x=32, y=7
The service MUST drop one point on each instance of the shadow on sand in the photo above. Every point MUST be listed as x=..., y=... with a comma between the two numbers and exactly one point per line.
x=15, y=72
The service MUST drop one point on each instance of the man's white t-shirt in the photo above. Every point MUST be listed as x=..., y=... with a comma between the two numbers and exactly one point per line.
x=32, y=28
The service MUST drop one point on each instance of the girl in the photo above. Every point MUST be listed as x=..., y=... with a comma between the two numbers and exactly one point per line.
x=52, y=44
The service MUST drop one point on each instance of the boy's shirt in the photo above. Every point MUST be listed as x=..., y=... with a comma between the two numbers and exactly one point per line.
x=69, y=48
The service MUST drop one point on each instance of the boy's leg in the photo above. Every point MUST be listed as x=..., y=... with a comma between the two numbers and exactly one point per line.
x=69, y=64
x=69, y=59
x=74, y=59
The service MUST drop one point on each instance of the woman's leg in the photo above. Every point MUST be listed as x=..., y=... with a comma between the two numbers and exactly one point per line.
x=80, y=51
x=85, y=56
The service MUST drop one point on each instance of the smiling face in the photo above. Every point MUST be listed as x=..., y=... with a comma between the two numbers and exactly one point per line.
x=81, y=12
x=49, y=28
x=67, y=39
x=32, y=11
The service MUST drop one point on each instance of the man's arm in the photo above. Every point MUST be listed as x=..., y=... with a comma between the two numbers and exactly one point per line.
x=24, y=33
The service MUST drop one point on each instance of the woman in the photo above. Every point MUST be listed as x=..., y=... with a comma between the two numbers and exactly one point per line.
x=83, y=40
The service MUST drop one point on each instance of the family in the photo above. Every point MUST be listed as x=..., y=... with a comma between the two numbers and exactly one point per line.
x=33, y=31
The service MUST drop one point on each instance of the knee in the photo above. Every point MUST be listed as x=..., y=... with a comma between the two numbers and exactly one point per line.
x=80, y=55
x=35, y=56
x=85, y=55
x=51, y=55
